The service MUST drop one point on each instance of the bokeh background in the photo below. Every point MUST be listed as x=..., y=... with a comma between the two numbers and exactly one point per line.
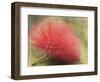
x=36, y=57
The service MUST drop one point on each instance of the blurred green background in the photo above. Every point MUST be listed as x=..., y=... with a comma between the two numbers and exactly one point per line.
x=36, y=57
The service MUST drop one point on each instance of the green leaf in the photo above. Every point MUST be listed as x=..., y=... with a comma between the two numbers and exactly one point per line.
x=37, y=57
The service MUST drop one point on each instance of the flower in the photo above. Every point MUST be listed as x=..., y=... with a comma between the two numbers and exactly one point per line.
x=56, y=38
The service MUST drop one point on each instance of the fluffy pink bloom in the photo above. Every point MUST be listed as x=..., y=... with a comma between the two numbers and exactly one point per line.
x=56, y=38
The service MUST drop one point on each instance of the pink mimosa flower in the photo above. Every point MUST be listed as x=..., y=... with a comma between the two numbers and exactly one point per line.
x=56, y=38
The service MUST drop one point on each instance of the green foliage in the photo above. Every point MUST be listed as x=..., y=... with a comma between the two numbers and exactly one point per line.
x=37, y=57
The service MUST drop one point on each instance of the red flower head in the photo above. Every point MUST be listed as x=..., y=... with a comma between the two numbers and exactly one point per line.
x=56, y=38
